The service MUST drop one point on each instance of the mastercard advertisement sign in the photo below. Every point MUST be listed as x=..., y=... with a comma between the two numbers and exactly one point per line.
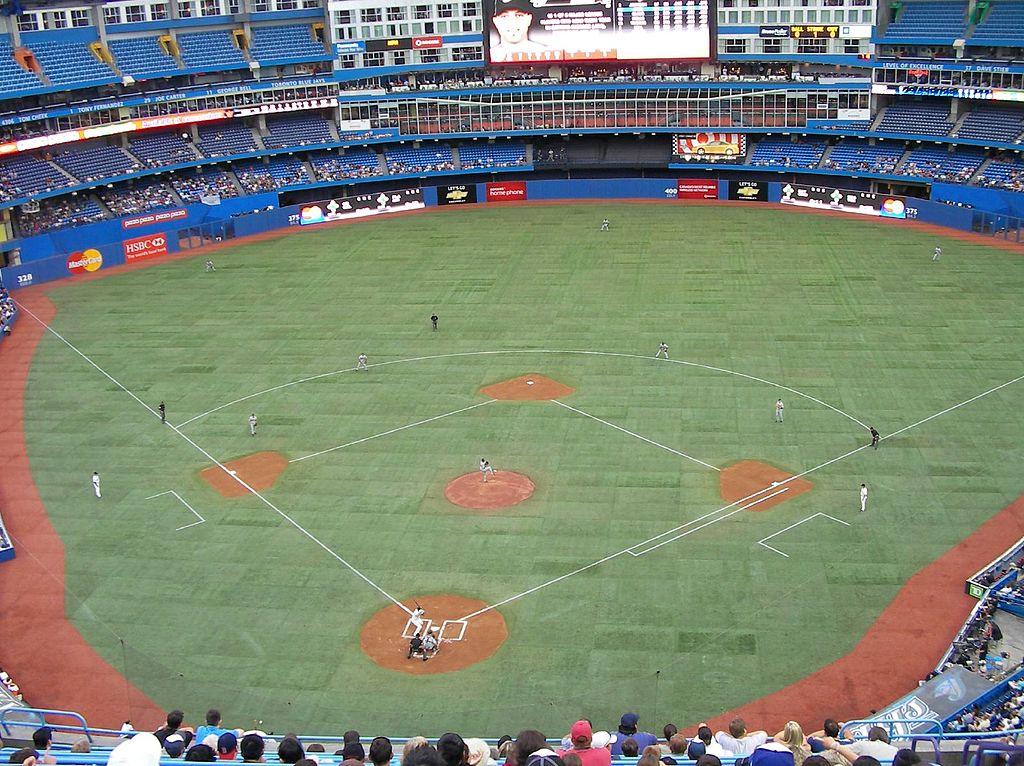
x=87, y=260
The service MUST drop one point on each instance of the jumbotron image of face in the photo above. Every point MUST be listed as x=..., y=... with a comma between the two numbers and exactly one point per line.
x=513, y=25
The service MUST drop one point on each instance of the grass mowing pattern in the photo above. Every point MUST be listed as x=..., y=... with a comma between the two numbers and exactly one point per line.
x=245, y=614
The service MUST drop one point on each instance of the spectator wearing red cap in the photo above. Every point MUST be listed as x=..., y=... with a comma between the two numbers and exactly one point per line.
x=227, y=746
x=581, y=735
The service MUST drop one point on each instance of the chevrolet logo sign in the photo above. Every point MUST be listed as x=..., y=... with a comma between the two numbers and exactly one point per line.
x=747, y=191
x=457, y=194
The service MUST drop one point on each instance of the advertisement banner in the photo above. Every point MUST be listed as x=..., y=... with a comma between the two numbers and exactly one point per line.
x=141, y=248
x=831, y=198
x=503, y=191
x=710, y=147
x=87, y=260
x=161, y=216
x=748, y=191
x=359, y=206
x=696, y=188
x=459, y=194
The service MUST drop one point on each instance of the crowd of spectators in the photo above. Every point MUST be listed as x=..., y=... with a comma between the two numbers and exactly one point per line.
x=937, y=172
x=195, y=187
x=340, y=168
x=7, y=312
x=882, y=165
x=138, y=199
x=58, y=213
x=493, y=162
x=11, y=686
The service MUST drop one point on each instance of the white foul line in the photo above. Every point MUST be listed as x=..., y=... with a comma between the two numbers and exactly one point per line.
x=707, y=524
x=182, y=501
x=392, y=431
x=638, y=436
x=792, y=526
x=224, y=468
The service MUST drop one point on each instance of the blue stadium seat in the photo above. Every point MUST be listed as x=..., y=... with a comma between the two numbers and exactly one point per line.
x=913, y=118
x=357, y=163
x=937, y=163
x=210, y=50
x=946, y=19
x=96, y=162
x=255, y=176
x=24, y=176
x=1004, y=22
x=193, y=186
x=65, y=63
x=491, y=155
x=403, y=160
x=1005, y=172
x=297, y=130
x=57, y=214
x=141, y=197
x=781, y=152
x=155, y=149
x=14, y=78
x=287, y=42
x=860, y=156
x=226, y=139
x=141, y=56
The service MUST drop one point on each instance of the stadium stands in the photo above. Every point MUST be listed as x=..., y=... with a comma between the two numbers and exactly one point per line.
x=25, y=175
x=142, y=56
x=65, y=63
x=1004, y=23
x=993, y=124
x=138, y=198
x=193, y=187
x=210, y=50
x=491, y=155
x=58, y=213
x=155, y=149
x=402, y=160
x=860, y=156
x=226, y=139
x=926, y=118
x=255, y=176
x=785, y=153
x=294, y=41
x=352, y=164
x=938, y=163
x=1006, y=172
x=97, y=162
x=13, y=77
x=945, y=19
x=298, y=130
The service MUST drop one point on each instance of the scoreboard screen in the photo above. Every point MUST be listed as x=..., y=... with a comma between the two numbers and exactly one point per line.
x=844, y=200
x=538, y=31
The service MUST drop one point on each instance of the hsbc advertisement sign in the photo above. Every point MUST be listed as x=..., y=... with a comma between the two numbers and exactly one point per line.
x=140, y=248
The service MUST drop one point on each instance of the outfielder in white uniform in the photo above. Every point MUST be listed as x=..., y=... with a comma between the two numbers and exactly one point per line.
x=96, y=483
x=361, y=362
x=252, y=424
x=662, y=349
x=863, y=497
x=604, y=224
x=779, y=410
x=937, y=254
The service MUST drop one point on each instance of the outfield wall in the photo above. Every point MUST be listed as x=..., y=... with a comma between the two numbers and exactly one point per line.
x=84, y=249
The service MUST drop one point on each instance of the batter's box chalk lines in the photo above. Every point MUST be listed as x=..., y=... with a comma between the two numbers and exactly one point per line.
x=635, y=435
x=453, y=630
x=763, y=540
x=182, y=501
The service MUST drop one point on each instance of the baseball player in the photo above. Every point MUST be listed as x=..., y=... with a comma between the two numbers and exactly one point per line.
x=416, y=618
x=779, y=410
x=662, y=349
x=429, y=644
x=604, y=224
x=96, y=483
x=433, y=320
x=485, y=469
x=863, y=497
x=361, y=362
x=163, y=412
x=252, y=424
x=210, y=266
x=874, y=437
x=937, y=254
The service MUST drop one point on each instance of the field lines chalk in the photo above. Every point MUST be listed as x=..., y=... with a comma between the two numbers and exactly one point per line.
x=182, y=501
x=638, y=436
x=224, y=468
x=392, y=431
x=763, y=540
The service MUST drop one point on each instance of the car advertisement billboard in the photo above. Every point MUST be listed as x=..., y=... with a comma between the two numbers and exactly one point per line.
x=710, y=147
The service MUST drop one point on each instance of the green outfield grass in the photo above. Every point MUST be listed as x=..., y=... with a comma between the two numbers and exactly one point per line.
x=247, y=614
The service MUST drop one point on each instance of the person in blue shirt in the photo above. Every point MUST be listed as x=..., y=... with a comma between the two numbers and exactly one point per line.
x=628, y=730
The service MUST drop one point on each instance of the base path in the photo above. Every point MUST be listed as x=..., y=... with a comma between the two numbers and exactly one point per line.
x=503, y=489
x=900, y=648
x=743, y=480
x=42, y=650
x=383, y=642
x=259, y=470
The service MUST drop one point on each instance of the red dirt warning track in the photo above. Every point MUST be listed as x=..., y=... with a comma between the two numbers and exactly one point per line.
x=381, y=638
x=503, y=489
x=259, y=470
x=43, y=651
x=751, y=482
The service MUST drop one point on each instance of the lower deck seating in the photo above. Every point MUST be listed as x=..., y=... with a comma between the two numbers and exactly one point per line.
x=786, y=153
x=862, y=157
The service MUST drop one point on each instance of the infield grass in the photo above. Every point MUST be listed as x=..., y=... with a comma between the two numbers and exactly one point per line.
x=246, y=614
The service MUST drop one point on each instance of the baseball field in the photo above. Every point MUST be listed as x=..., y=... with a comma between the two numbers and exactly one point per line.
x=681, y=553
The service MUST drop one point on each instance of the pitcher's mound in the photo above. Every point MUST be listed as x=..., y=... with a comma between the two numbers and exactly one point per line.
x=503, y=489
x=385, y=636
x=259, y=470
x=751, y=483
x=528, y=388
